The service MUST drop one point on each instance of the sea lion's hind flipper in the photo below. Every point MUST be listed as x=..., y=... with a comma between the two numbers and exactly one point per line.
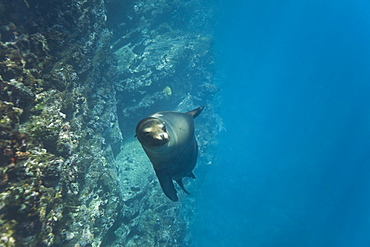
x=179, y=181
x=191, y=175
x=195, y=112
x=167, y=185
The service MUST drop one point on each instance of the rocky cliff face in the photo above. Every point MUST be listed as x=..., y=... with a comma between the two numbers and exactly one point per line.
x=76, y=76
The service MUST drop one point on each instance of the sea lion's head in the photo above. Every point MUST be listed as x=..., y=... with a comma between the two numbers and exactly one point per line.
x=151, y=132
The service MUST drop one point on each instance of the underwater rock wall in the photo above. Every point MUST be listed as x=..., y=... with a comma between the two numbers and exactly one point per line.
x=58, y=124
x=76, y=76
x=165, y=59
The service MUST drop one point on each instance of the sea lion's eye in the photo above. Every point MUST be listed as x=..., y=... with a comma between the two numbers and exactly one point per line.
x=164, y=128
x=146, y=133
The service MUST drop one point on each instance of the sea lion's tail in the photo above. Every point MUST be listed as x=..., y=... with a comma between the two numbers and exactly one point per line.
x=195, y=112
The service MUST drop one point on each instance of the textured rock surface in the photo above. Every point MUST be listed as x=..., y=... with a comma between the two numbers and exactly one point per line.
x=75, y=76
x=56, y=140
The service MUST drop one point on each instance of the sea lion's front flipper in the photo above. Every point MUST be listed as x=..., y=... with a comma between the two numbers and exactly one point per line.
x=195, y=112
x=167, y=185
x=179, y=181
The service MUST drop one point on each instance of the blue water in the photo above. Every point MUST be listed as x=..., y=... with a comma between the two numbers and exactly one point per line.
x=294, y=161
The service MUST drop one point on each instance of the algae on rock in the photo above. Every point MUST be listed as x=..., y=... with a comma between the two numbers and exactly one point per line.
x=48, y=68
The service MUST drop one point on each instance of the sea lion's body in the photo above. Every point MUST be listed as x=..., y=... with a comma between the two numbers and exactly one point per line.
x=168, y=140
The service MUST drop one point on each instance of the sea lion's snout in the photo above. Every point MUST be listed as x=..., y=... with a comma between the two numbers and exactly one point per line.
x=163, y=136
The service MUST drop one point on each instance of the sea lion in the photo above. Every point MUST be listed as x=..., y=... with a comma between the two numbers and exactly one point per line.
x=169, y=142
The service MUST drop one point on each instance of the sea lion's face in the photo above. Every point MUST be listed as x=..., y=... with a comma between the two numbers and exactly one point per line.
x=152, y=132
